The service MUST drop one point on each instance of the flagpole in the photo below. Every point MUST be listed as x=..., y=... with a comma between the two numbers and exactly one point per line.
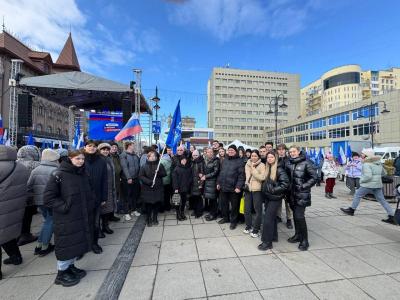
x=158, y=166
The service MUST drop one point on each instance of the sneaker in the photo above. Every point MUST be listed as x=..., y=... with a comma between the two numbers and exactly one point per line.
x=247, y=230
x=348, y=211
x=66, y=278
x=136, y=213
x=128, y=217
x=254, y=234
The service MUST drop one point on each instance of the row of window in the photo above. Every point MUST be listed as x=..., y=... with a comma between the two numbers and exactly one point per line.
x=247, y=112
x=241, y=135
x=251, y=97
x=252, y=120
x=360, y=129
x=249, y=76
x=238, y=127
x=244, y=89
x=49, y=129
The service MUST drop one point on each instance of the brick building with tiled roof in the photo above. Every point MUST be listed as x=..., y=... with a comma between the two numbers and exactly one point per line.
x=50, y=120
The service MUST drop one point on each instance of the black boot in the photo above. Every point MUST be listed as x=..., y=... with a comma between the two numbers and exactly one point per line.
x=66, y=278
x=331, y=195
x=303, y=246
x=265, y=246
x=13, y=260
x=96, y=248
x=297, y=236
x=348, y=211
x=106, y=227
x=77, y=272
x=328, y=195
x=289, y=224
x=183, y=216
x=390, y=220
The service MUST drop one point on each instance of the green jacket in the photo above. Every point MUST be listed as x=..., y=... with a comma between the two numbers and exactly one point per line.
x=167, y=166
x=372, y=172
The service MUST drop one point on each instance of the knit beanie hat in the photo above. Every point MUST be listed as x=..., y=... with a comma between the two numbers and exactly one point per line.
x=62, y=152
x=368, y=152
x=50, y=155
x=104, y=145
x=232, y=147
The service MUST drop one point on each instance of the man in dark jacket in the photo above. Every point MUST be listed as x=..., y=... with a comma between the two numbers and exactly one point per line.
x=302, y=176
x=130, y=164
x=263, y=154
x=211, y=171
x=230, y=183
x=180, y=151
x=96, y=167
x=114, y=153
x=13, y=191
x=282, y=161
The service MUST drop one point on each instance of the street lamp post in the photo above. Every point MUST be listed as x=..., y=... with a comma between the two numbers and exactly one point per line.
x=156, y=108
x=275, y=103
x=371, y=117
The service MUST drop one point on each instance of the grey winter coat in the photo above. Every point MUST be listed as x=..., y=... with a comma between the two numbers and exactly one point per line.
x=38, y=180
x=29, y=156
x=130, y=165
x=111, y=202
x=13, y=193
x=372, y=172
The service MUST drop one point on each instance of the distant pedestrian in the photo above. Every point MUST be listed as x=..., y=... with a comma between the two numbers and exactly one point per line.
x=371, y=183
x=353, y=173
x=331, y=172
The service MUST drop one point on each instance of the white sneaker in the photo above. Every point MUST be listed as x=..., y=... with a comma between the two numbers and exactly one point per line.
x=254, y=234
x=136, y=213
x=128, y=217
x=246, y=231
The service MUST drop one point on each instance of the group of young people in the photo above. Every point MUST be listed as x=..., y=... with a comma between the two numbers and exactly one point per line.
x=78, y=193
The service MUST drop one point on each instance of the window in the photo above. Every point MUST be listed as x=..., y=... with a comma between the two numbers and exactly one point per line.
x=339, y=119
x=318, y=123
x=302, y=127
x=364, y=129
x=289, y=139
x=342, y=79
x=339, y=132
x=318, y=135
x=365, y=112
x=302, y=138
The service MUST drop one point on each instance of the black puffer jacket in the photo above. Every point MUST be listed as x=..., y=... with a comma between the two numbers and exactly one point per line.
x=232, y=174
x=149, y=194
x=211, y=170
x=182, y=178
x=69, y=194
x=275, y=190
x=197, y=168
x=96, y=167
x=303, y=176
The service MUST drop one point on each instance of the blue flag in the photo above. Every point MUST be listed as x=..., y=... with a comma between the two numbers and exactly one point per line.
x=349, y=152
x=76, y=135
x=30, y=140
x=175, y=131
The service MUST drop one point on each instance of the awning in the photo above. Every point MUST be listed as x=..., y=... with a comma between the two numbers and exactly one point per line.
x=238, y=144
x=83, y=90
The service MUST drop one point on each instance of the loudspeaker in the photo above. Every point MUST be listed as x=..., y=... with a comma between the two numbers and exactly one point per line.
x=24, y=110
x=126, y=110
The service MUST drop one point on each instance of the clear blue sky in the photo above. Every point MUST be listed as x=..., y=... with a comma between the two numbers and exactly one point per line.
x=176, y=43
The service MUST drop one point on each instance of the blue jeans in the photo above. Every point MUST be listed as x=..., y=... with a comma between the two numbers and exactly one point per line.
x=47, y=228
x=62, y=265
x=378, y=193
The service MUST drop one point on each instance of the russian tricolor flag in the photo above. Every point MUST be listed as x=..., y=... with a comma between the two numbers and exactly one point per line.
x=131, y=128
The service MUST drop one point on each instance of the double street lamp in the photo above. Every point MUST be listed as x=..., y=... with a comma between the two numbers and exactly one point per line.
x=277, y=103
x=371, y=117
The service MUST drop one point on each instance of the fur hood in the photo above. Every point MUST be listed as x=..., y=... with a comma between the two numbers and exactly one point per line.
x=373, y=160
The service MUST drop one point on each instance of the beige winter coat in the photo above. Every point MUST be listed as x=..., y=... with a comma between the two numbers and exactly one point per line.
x=255, y=175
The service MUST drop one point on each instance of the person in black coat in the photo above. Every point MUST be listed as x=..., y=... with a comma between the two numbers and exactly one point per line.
x=303, y=176
x=96, y=167
x=182, y=178
x=197, y=183
x=152, y=195
x=230, y=183
x=274, y=188
x=283, y=159
x=70, y=196
x=211, y=170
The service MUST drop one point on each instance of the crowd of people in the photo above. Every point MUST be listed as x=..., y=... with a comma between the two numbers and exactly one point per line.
x=79, y=193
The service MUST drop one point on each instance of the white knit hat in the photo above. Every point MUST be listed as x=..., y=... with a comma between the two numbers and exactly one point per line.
x=50, y=155
x=368, y=152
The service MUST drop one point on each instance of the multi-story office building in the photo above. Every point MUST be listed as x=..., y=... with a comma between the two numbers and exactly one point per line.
x=345, y=85
x=239, y=102
x=352, y=122
x=187, y=122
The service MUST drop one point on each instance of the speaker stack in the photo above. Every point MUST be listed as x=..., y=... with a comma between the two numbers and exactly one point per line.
x=25, y=110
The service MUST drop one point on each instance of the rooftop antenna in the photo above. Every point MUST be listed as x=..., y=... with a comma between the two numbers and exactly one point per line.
x=4, y=24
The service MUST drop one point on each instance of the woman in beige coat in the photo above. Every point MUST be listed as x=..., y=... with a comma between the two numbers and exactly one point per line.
x=255, y=175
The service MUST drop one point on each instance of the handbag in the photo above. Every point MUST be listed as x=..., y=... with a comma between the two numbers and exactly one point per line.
x=241, y=206
x=246, y=185
x=176, y=199
x=387, y=179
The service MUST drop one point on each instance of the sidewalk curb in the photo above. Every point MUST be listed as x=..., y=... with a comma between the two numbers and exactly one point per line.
x=115, y=278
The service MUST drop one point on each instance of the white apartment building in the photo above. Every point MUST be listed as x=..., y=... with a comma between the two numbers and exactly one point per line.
x=239, y=102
